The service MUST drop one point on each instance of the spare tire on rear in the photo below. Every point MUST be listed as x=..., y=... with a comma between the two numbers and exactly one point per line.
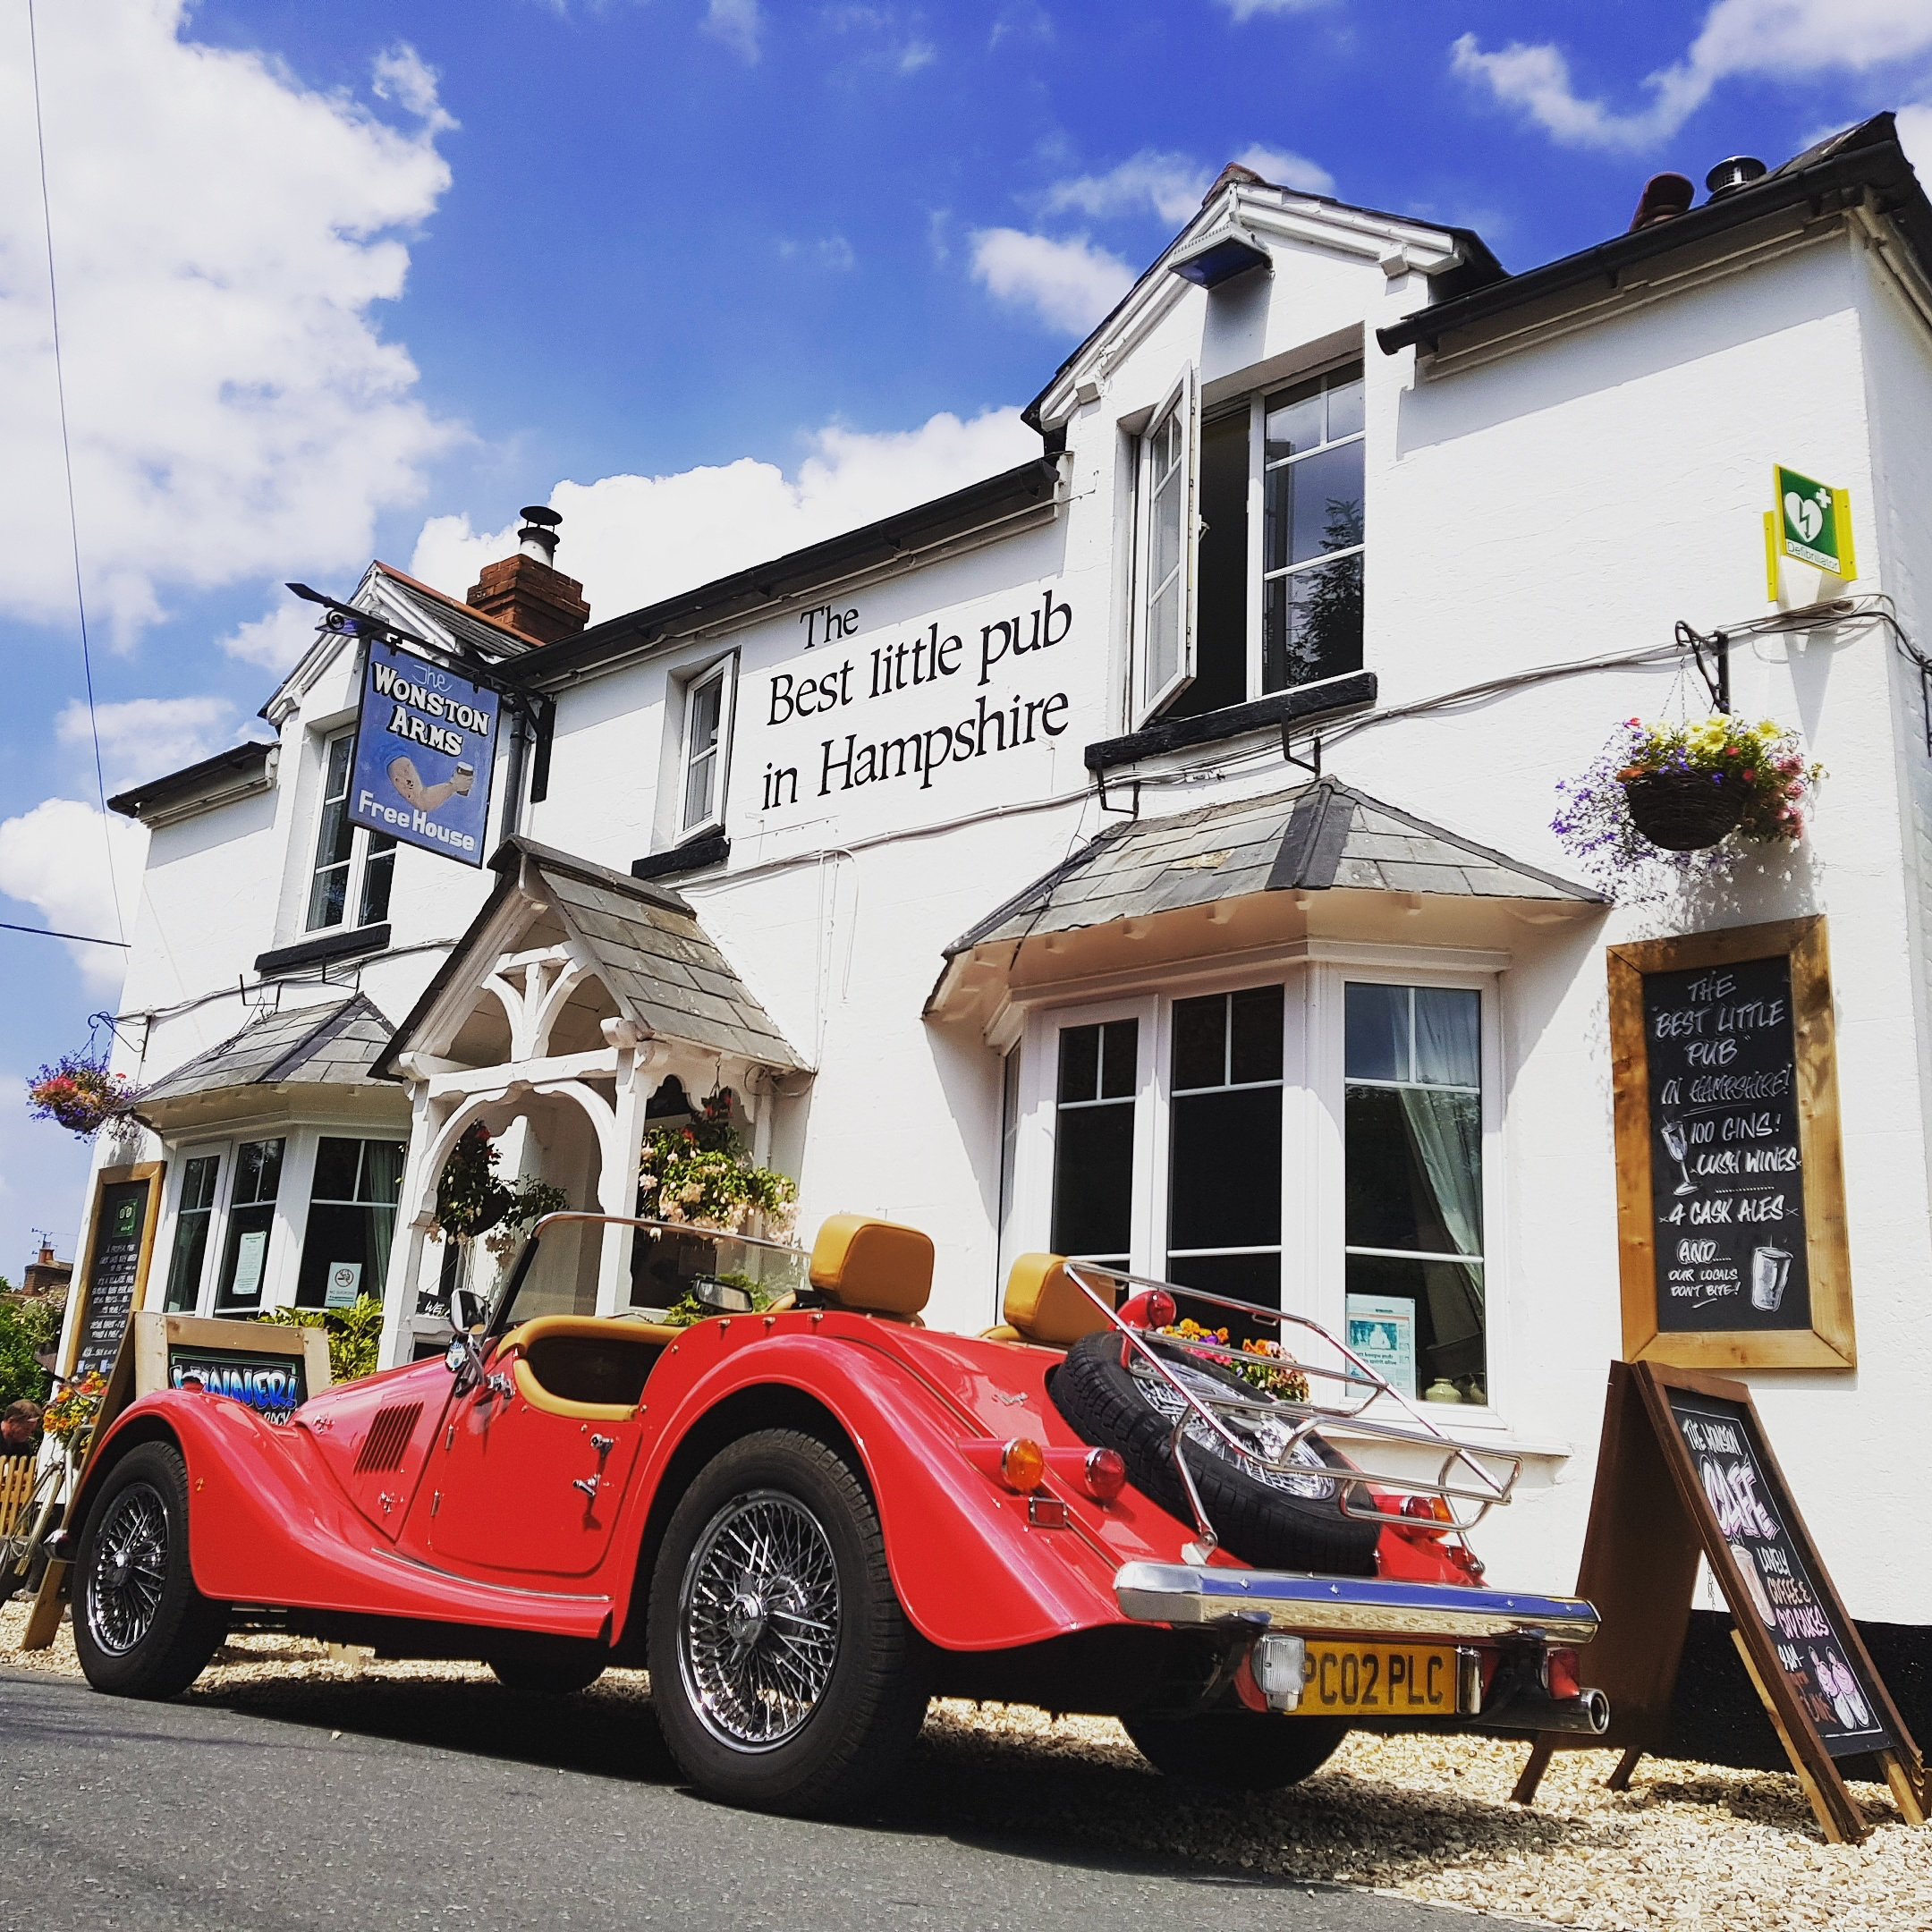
x=1272, y=1519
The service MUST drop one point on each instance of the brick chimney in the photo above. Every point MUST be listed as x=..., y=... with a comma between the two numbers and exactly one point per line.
x=527, y=591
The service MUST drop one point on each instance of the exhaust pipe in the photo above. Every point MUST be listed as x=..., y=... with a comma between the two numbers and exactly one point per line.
x=1530, y=1708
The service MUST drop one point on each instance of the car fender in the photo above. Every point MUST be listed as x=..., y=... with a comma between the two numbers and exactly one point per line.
x=268, y=1524
x=969, y=1569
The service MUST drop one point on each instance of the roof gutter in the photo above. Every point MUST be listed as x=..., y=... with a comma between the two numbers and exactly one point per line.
x=1844, y=176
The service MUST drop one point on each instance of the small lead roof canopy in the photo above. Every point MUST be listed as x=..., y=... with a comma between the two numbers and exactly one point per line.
x=335, y=1045
x=631, y=952
x=1249, y=865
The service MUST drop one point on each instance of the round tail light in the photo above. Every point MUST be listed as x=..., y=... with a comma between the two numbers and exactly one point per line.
x=1105, y=1474
x=1022, y=1464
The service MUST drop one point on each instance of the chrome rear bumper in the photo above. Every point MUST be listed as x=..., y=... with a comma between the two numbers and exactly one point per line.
x=1354, y=1607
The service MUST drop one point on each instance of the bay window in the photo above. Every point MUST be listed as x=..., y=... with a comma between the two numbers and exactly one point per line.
x=352, y=1221
x=252, y=1212
x=1314, y=1140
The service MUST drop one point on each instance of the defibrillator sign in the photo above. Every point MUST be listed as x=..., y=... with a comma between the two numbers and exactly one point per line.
x=1813, y=523
x=425, y=747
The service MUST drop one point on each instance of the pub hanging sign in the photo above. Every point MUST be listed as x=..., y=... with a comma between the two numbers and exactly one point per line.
x=1730, y=1181
x=426, y=743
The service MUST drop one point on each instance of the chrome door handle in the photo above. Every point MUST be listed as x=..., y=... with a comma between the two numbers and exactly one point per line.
x=603, y=1444
x=589, y=1485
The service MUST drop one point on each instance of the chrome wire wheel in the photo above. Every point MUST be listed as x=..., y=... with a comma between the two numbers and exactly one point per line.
x=759, y=1620
x=130, y=1567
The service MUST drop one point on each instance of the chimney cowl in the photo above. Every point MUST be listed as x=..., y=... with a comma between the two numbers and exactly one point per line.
x=1665, y=195
x=1732, y=173
x=538, y=537
x=526, y=590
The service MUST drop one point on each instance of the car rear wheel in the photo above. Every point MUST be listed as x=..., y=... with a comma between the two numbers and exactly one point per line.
x=1237, y=1750
x=783, y=1672
x=563, y=1675
x=141, y=1629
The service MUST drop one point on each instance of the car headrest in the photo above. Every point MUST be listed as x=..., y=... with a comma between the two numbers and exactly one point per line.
x=1046, y=1304
x=875, y=1266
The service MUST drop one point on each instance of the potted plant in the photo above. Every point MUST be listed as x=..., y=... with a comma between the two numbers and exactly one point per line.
x=78, y=1093
x=702, y=1174
x=1679, y=793
x=472, y=1200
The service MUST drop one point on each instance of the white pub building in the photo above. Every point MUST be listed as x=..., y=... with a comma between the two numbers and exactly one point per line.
x=1147, y=854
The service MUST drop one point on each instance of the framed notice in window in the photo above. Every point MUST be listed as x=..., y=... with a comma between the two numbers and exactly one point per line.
x=1731, y=1214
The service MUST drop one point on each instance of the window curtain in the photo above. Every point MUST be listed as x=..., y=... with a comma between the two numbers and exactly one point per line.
x=1445, y=1135
x=381, y=1184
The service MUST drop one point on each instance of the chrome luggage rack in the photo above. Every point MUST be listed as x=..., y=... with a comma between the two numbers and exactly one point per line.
x=1468, y=1482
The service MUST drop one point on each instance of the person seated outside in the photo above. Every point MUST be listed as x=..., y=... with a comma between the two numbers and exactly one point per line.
x=20, y=1429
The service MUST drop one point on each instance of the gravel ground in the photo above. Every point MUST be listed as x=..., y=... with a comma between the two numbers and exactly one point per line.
x=1688, y=1845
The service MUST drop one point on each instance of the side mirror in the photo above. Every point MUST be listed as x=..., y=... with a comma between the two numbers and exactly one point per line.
x=468, y=1309
x=464, y=1356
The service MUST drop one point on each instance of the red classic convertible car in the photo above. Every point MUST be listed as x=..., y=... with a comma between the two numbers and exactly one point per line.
x=809, y=1514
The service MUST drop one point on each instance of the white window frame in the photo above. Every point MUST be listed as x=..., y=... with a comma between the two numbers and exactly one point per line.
x=1181, y=403
x=356, y=866
x=724, y=674
x=1314, y=1262
x=222, y=1152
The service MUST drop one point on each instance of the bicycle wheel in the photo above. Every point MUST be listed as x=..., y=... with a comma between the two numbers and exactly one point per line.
x=31, y=1528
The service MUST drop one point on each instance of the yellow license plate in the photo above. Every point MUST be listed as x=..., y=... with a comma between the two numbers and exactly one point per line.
x=1379, y=1681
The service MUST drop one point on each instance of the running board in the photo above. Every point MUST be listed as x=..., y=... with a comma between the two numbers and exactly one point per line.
x=1354, y=1607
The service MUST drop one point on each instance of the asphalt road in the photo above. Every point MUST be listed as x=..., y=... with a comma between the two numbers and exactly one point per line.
x=435, y=1806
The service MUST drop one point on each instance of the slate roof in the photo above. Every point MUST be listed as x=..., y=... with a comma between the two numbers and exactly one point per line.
x=655, y=961
x=334, y=1045
x=1314, y=839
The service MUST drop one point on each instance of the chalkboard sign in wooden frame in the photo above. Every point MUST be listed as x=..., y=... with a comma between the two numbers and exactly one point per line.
x=1685, y=1468
x=1732, y=1249
x=105, y=1250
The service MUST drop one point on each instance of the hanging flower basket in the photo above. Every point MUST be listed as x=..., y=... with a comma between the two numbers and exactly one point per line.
x=1685, y=811
x=78, y=1093
x=1669, y=799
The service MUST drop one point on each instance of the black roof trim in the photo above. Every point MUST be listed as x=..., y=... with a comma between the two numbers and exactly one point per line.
x=184, y=782
x=745, y=592
x=713, y=849
x=1867, y=155
x=334, y=945
x=1354, y=691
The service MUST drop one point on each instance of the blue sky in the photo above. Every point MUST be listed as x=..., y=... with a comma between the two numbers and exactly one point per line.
x=717, y=277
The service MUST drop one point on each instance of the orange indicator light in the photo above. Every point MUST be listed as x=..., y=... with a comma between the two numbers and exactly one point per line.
x=1022, y=1464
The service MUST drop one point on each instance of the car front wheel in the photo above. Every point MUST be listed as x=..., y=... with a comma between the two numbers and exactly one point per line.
x=141, y=1627
x=784, y=1674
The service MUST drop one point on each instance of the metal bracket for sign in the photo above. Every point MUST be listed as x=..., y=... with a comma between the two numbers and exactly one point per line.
x=344, y=620
x=1311, y=766
x=1131, y=809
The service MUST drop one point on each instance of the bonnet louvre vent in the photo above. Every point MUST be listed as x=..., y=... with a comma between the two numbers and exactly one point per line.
x=388, y=1437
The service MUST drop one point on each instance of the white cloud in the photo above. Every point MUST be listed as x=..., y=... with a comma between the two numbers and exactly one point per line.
x=1246, y=10
x=145, y=737
x=276, y=639
x=1069, y=284
x=1174, y=185
x=1781, y=40
x=401, y=75
x=632, y=539
x=55, y=858
x=915, y=55
x=1288, y=170
x=834, y=251
x=1915, y=136
x=737, y=23
x=221, y=234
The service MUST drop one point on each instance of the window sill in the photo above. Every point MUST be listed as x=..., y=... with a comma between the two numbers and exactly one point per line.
x=708, y=849
x=1302, y=704
x=334, y=945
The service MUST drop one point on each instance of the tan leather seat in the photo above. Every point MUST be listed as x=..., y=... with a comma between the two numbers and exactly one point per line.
x=1044, y=1304
x=875, y=1266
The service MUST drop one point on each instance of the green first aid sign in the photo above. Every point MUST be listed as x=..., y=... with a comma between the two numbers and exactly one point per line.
x=1813, y=523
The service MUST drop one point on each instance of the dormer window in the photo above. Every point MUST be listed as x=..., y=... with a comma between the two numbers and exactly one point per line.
x=1221, y=618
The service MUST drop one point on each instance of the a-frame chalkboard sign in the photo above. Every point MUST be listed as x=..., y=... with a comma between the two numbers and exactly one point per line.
x=1685, y=1468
